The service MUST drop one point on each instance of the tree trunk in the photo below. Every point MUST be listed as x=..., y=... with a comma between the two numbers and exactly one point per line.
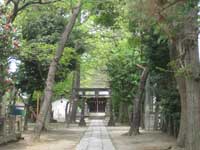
x=191, y=61
x=182, y=129
x=142, y=113
x=74, y=94
x=52, y=71
x=26, y=118
x=123, y=112
x=187, y=47
x=82, y=122
x=74, y=111
x=136, y=103
x=27, y=113
x=48, y=118
x=111, y=121
x=170, y=125
x=120, y=116
x=181, y=83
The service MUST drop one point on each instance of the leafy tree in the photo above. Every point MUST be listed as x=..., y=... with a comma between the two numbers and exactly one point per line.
x=124, y=76
x=177, y=19
x=8, y=48
x=52, y=72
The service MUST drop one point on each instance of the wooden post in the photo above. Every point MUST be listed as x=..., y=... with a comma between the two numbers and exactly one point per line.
x=97, y=105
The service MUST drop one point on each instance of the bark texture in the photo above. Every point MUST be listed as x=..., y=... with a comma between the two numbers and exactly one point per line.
x=135, y=124
x=52, y=71
x=111, y=121
x=182, y=129
x=74, y=97
x=181, y=85
x=191, y=60
x=82, y=122
x=187, y=58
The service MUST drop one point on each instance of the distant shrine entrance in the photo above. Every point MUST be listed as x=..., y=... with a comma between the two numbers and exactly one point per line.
x=97, y=99
x=96, y=105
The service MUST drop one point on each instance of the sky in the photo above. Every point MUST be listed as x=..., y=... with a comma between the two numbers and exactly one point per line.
x=13, y=65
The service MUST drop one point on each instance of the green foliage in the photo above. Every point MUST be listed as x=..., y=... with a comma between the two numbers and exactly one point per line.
x=170, y=103
x=116, y=37
x=46, y=28
x=106, y=13
x=123, y=74
x=35, y=60
x=8, y=48
x=40, y=32
x=156, y=52
x=63, y=88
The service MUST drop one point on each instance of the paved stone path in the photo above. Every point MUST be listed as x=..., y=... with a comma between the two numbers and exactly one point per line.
x=96, y=138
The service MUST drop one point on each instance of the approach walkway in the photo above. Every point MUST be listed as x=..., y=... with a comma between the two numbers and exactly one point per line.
x=96, y=137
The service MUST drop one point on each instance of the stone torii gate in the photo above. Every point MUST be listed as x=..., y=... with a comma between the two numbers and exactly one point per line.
x=97, y=99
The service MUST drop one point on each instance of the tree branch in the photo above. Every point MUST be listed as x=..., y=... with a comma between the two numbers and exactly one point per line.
x=171, y=4
x=8, y=2
x=140, y=66
x=17, y=9
x=36, y=2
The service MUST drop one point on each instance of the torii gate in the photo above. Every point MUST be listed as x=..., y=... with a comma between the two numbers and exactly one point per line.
x=98, y=100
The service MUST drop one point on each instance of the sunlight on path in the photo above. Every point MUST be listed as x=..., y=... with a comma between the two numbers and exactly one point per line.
x=96, y=138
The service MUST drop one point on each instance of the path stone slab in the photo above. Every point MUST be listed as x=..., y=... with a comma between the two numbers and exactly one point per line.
x=96, y=137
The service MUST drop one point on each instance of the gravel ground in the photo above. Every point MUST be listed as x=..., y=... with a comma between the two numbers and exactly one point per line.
x=57, y=138
x=144, y=141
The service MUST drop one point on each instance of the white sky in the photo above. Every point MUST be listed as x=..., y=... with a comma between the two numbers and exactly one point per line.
x=13, y=65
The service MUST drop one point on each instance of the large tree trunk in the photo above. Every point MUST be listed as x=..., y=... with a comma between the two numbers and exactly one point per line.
x=111, y=121
x=52, y=71
x=192, y=64
x=193, y=98
x=82, y=122
x=137, y=103
x=181, y=82
x=69, y=105
x=182, y=129
x=189, y=87
x=48, y=118
x=74, y=97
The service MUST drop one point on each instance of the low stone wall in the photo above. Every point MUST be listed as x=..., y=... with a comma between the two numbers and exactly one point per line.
x=10, y=128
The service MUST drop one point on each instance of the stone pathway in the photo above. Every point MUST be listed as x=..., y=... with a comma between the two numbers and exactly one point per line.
x=96, y=138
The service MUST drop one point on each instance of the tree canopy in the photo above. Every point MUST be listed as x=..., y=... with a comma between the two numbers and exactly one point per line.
x=114, y=42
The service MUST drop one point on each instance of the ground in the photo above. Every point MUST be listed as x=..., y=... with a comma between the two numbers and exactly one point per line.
x=58, y=138
x=94, y=137
x=147, y=140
